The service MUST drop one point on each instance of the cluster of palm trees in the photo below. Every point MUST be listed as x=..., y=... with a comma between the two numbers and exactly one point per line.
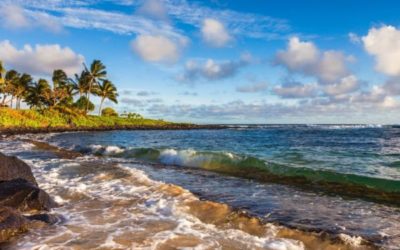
x=60, y=95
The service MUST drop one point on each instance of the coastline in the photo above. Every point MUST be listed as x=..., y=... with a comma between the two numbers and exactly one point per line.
x=223, y=216
x=173, y=126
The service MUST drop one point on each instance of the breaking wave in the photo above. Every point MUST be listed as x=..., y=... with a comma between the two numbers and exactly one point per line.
x=379, y=189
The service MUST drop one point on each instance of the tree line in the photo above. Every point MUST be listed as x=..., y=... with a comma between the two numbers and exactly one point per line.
x=65, y=94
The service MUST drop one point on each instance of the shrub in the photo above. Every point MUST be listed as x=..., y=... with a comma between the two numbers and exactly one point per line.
x=109, y=112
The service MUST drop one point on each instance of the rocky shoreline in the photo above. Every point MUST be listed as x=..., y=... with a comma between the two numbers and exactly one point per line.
x=27, y=130
x=20, y=194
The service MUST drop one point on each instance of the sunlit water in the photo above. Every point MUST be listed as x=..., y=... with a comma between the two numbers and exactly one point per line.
x=117, y=189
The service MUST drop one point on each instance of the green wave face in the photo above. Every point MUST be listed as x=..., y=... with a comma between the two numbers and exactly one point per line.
x=253, y=168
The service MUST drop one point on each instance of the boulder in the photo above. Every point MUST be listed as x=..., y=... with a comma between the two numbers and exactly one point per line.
x=13, y=168
x=11, y=223
x=24, y=196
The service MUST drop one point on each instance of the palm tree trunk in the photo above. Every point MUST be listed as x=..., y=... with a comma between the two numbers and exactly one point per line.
x=4, y=100
x=88, y=97
x=101, y=104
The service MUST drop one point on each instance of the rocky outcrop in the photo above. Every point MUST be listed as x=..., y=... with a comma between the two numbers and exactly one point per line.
x=13, y=168
x=19, y=192
x=24, y=196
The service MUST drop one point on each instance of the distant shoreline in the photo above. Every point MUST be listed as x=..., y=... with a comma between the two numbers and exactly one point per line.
x=26, y=130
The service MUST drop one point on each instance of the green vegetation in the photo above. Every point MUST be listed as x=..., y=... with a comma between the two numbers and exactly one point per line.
x=11, y=118
x=40, y=95
x=65, y=102
x=109, y=112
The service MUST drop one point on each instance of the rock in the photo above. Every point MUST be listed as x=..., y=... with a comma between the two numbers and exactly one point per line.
x=24, y=196
x=13, y=168
x=11, y=223
x=46, y=218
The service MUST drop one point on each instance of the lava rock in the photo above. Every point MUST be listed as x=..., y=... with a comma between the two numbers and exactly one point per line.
x=24, y=196
x=13, y=168
x=12, y=223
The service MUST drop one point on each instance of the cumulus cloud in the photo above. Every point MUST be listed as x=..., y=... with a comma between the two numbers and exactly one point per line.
x=384, y=44
x=344, y=86
x=40, y=59
x=305, y=58
x=293, y=89
x=156, y=48
x=214, y=33
x=212, y=70
x=253, y=88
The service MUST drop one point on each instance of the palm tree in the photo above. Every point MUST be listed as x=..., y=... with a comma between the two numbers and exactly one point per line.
x=80, y=83
x=106, y=90
x=11, y=81
x=96, y=73
x=20, y=88
x=36, y=94
x=2, y=79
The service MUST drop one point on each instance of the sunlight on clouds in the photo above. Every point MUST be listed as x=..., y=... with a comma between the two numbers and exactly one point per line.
x=384, y=44
x=307, y=59
x=214, y=33
x=159, y=49
x=40, y=59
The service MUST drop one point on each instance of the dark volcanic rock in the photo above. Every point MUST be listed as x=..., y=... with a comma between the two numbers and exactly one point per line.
x=13, y=168
x=24, y=196
x=46, y=218
x=11, y=223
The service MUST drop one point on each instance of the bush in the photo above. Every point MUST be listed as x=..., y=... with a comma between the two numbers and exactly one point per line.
x=109, y=112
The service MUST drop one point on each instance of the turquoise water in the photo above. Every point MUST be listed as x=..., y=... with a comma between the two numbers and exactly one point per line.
x=330, y=178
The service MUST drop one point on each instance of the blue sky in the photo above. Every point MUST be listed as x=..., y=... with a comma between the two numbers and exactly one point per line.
x=221, y=61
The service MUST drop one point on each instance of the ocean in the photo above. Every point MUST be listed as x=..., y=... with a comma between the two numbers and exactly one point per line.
x=243, y=187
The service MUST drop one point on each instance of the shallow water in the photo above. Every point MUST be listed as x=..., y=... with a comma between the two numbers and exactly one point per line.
x=312, y=168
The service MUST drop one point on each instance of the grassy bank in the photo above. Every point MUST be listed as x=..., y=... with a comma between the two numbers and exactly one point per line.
x=31, y=120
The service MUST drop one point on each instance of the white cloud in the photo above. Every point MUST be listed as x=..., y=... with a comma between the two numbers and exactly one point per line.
x=346, y=85
x=306, y=58
x=13, y=16
x=384, y=44
x=154, y=9
x=253, y=88
x=40, y=59
x=212, y=70
x=214, y=33
x=296, y=90
x=158, y=48
x=299, y=55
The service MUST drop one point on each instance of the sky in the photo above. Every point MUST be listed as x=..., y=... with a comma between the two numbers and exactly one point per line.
x=219, y=61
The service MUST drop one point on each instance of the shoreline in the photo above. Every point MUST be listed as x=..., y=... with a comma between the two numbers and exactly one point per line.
x=26, y=130
x=222, y=214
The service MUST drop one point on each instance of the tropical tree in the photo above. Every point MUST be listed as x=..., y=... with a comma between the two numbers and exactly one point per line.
x=95, y=74
x=2, y=79
x=36, y=94
x=106, y=90
x=11, y=81
x=80, y=83
x=20, y=88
